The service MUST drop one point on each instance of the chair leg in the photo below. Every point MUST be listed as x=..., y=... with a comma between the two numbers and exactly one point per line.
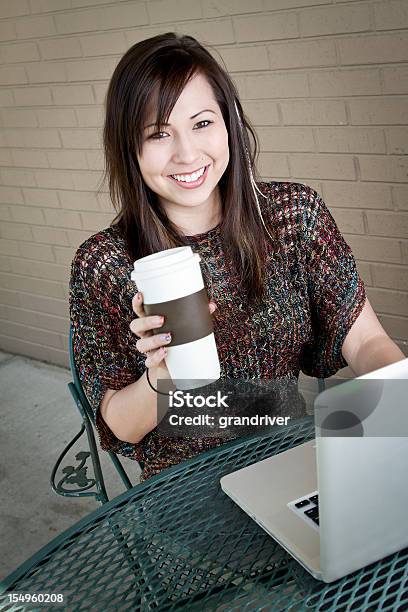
x=100, y=483
x=121, y=470
x=77, y=475
x=101, y=494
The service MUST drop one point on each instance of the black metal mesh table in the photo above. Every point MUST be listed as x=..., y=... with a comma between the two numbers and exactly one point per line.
x=178, y=542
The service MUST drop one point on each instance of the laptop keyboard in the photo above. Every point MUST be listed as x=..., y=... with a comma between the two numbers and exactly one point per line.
x=307, y=507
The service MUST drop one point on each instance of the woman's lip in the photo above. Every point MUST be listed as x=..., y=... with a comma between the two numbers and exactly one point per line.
x=186, y=173
x=193, y=184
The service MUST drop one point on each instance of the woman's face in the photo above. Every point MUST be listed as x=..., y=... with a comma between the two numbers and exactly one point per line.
x=184, y=162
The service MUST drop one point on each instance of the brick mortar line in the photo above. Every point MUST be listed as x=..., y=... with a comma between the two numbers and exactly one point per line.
x=30, y=326
x=16, y=275
x=238, y=72
x=34, y=344
x=206, y=21
x=41, y=312
x=301, y=38
x=98, y=107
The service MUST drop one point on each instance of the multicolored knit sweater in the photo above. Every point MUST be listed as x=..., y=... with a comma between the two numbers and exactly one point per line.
x=313, y=296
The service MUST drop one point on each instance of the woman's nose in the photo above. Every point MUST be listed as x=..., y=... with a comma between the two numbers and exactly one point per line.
x=185, y=150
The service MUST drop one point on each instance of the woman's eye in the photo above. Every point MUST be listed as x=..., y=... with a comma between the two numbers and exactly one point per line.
x=204, y=121
x=156, y=136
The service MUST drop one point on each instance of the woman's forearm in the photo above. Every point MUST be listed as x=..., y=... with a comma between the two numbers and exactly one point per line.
x=131, y=413
x=376, y=353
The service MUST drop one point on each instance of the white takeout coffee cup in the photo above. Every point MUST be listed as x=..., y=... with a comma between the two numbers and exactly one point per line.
x=172, y=285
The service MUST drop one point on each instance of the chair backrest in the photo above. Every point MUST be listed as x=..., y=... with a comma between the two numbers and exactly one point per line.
x=76, y=380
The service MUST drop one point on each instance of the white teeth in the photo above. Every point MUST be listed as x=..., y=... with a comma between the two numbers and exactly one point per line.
x=189, y=178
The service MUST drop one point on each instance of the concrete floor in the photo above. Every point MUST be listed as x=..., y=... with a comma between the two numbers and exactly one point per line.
x=37, y=419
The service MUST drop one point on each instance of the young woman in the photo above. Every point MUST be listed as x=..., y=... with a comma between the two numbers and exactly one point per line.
x=284, y=289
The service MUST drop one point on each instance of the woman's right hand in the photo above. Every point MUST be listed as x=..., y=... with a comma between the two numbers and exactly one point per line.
x=154, y=346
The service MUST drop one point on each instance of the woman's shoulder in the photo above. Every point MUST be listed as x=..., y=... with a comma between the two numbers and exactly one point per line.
x=290, y=208
x=285, y=198
x=104, y=253
x=105, y=241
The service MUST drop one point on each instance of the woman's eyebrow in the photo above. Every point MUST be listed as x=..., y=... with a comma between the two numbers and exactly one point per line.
x=206, y=110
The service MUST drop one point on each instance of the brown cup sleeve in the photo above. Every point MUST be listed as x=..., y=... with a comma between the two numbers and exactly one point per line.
x=187, y=318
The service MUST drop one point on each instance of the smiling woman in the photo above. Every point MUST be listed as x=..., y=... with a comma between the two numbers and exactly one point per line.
x=286, y=295
x=171, y=111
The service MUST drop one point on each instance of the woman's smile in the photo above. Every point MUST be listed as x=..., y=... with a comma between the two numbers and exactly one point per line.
x=190, y=181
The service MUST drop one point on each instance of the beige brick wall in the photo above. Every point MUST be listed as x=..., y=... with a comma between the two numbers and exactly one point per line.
x=325, y=83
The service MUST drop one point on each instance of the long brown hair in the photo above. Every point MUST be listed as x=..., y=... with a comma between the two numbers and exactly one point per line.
x=158, y=68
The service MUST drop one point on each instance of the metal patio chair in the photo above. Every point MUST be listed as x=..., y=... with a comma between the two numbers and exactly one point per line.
x=79, y=484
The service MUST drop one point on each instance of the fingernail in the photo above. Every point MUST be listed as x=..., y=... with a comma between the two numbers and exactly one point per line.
x=159, y=320
x=165, y=337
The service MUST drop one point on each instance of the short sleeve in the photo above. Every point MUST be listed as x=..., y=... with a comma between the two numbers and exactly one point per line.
x=336, y=291
x=105, y=352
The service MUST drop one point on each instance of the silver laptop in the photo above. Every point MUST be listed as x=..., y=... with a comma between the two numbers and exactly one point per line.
x=340, y=501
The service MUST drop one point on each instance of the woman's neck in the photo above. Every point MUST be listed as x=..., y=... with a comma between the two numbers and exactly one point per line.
x=196, y=219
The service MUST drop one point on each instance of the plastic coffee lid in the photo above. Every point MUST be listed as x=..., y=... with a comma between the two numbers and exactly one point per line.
x=167, y=257
x=160, y=264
